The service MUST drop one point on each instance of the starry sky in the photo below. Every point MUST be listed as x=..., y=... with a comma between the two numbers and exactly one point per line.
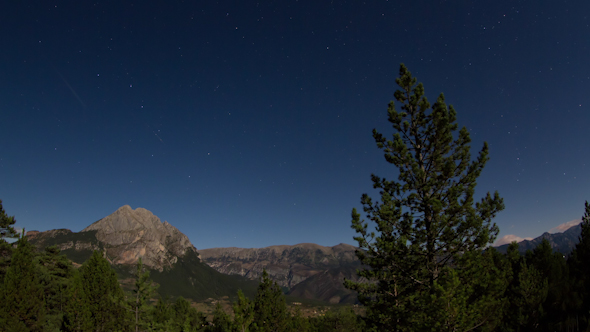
x=249, y=123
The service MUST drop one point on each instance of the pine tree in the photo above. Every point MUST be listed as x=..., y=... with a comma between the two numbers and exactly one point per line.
x=270, y=308
x=243, y=313
x=552, y=267
x=142, y=293
x=77, y=316
x=6, y=231
x=162, y=316
x=299, y=323
x=580, y=270
x=22, y=295
x=186, y=318
x=6, y=222
x=426, y=250
x=56, y=272
x=105, y=297
x=526, y=293
x=221, y=320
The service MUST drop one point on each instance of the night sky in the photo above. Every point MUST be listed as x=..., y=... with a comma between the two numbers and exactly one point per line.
x=249, y=124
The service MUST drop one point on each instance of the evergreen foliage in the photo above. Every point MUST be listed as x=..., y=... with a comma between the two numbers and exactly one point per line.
x=6, y=222
x=221, y=320
x=42, y=291
x=22, y=306
x=343, y=320
x=6, y=231
x=105, y=296
x=243, y=313
x=270, y=308
x=56, y=272
x=187, y=318
x=77, y=315
x=579, y=264
x=162, y=316
x=552, y=266
x=142, y=293
x=298, y=322
x=526, y=293
x=427, y=270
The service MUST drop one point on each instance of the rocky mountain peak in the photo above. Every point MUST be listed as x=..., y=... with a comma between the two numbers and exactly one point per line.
x=130, y=234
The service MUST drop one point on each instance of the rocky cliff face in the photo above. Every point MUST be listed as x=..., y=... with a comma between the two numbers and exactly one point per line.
x=129, y=234
x=125, y=235
x=287, y=265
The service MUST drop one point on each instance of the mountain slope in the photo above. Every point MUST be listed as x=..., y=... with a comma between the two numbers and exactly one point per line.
x=562, y=242
x=127, y=234
x=298, y=268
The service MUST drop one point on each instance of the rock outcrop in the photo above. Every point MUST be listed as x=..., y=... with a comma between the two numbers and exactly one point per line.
x=126, y=235
x=287, y=265
x=129, y=234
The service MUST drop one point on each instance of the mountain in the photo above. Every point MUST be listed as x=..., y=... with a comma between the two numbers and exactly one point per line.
x=563, y=242
x=315, y=272
x=304, y=270
x=127, y=234
x=307, y=270
x=328, y=285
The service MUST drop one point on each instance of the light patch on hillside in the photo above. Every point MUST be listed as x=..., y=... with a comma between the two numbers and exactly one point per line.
x=510, y=238
x=565, y=226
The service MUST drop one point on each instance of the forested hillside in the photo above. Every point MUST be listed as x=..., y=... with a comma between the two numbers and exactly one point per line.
x=43, y=291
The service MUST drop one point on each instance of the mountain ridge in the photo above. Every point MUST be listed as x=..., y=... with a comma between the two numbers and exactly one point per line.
x=127, y=235
x=563, y=242
x=306, y=270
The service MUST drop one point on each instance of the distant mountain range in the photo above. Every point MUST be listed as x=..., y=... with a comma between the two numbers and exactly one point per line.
x=563, y=242
x=305, y=271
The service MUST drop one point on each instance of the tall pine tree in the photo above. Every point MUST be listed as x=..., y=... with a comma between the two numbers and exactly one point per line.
x=552, y=266
x=243, y=313
x=105, y=297
x=221, y=320
x=427, y=270
x=22, y=304
x=580, y=269
x=7, y=231
x=77, y=316
x=142, y=293
x=270, y=308
x=56, y=272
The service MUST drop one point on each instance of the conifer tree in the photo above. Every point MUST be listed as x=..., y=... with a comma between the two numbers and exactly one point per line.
x=77, y=316
x=56, y=272
x=162, y=315
x=243, y=313
x=142, y=293
x=105, y=297
x=579, y=263
x=221, y=320
x=299, y=323
x=6, y=222
x=270, y=308
x=526, y=293
x=186, y=318
x=552, y=266
x=6, y=231
x=22, y=295
x=426, y=267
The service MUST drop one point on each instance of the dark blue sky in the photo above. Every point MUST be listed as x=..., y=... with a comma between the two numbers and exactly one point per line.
x=249, y=124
